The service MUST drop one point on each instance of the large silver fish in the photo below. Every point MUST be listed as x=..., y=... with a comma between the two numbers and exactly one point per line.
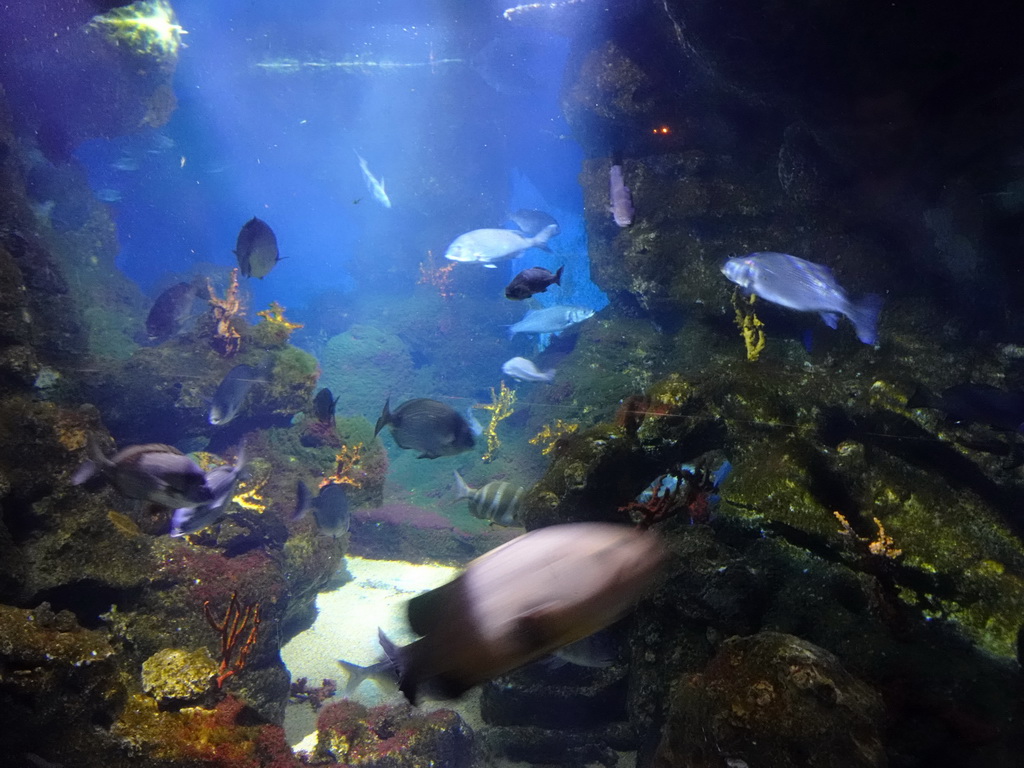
x=256, y=248
x=154, y=472
x=803, y=285
x=488, y=246
x=551, y=320
x=428, y=426
x=375, y=185
x=521, y=601
x=221, y=481
x=497, y=501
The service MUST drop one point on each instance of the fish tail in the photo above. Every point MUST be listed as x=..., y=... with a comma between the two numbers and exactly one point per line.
x=462, y=490
x=558, y=275
x=179, y=520
x=540, y=240
x=303, y=501
x=864, y=315
x=93, y=465
x=385, y=417
x=549, y=375
x=356, y=675
x=398, y=657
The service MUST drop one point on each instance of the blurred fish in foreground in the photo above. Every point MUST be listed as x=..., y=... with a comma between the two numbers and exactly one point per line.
x=531, y=281
x=519, y=602
x=487, y=246
x=428, y=426
x=330, y=508
x=550, y=320
x=227, y=400
x=221, y=482
x=171, y=310
x=256, y=248
x=160, y=474
x=498, y=501
x=375, y=185
x=805, y=286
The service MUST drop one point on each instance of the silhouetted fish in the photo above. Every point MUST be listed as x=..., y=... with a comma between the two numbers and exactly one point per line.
x=324, y=405
x=170, y=311
x=227, y=400
x=256, y=248
x=531, y=281
x=427, y=426
x=330, y=508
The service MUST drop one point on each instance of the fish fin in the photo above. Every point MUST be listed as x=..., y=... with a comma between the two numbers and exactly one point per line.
x=303, y=501
x=462, y=490
x=490, y=266
x=402, y=659
x=356, y=675
x=427, y=611
x=922, y=397
x=558, y=276
x=86, y=472
x=540, y=240
x=385, y=417
x=549, y=376
x=864, y=316
x=180, y=519
x=831, y=319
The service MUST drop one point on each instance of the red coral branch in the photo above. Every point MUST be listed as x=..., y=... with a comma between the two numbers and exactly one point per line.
x=232, y=630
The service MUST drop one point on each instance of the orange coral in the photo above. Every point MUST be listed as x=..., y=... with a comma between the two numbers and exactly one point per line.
x=349, y=460
x=226, y=339
x=232, y=635
x=439, y=277
x=275, y=320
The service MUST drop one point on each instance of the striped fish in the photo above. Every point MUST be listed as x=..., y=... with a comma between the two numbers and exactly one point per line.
x=497, y=501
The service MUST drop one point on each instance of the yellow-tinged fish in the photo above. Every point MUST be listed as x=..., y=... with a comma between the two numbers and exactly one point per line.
x=521, y=601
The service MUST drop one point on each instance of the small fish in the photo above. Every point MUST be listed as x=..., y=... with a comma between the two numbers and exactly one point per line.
x=227, y=400
x=375, y=186
x=330, y=508
x=108, y=195
x=531, y=222
x=324, y=405
x=160, y=474
x=975, y=404
x=531, y=281
x=427, y=426
x=621, y=206
x=519, y=602
x=524, y=370
x=805, y=286
x=256, y=248
x=596, y=651
x=550, y=320
x=383, y=673
x=221, y=481
x=170, y=311
x=487, y=246
x=498, y=501
x=125, y=163
x=474, y=424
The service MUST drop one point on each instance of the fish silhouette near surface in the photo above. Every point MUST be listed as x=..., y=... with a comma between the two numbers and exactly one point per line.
x=221, y=481
x=256, y=248
x=375, y=185
x=498, y=501
x=428, y=426
x=524, y=370
x=551, y=320
x=531, y=281
x=521, y=601
x=488, y=246
x=798, y=284
x=156, y=473
x=621, y=206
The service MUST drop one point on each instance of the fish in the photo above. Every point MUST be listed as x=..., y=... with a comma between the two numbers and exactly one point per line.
x=524, y=370
x=324, y=405
x=384, y=673
x=531, y=281
x=541, y=591
x=551, y=320
x=474, y=424
x=531, y=222
x=256, y=248
x=125, y=163
x=497, y=501
x=170, y=311
x=596, y=651
x=488, y=246
x=375, y=186
x=153, y=472
x=227, y=400
x=621, y=206
x=975, y=403
x=330, y=508
x=427, y=426
x=109, y=195
x=798, y=284
x=221, y=481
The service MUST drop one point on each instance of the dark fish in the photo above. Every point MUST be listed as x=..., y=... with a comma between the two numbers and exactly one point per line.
x=231, y=392
x=427, y=426
x=497, y=501
x=330, y=508
x=221, y=481
x=532, y=222
x=805, y=286
x=153, y=472
x=256, y=248
x=975, y=404
x=324, y=405
x=531, y=281
x=521, y=601
x=170, y=311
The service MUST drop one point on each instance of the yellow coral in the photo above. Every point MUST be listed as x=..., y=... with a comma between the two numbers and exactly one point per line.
x=500, y=408
x=274, y=318
x=148, y=27
x=226, y=339
x=750, y=325
x=348, y=465
x=882, y=545
x=552, y=433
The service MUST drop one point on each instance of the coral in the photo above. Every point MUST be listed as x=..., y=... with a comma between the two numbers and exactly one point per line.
x=349, y=470
x=176, y=677
x=300, y=691
x=275, y=330
x=500, y=408
x=750, y=325
x=438, y=277
x=232, y=630
x=550, y=434
x=226, y=339
x=148, y=28
x=880, y=546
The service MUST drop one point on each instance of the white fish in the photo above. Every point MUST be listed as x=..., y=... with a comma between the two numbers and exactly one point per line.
x=551, y=320
x=487, y=246
x=524, y=370
x=521, y=601
x=375, y=186
x=621, y=200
